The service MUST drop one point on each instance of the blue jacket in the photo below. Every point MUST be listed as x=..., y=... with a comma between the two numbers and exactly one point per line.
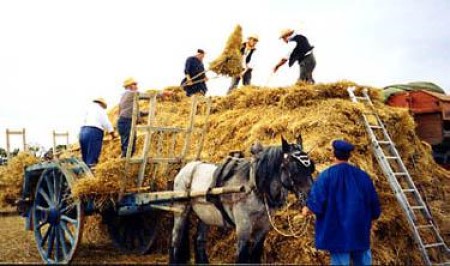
x=194, y=67
x=345, y=202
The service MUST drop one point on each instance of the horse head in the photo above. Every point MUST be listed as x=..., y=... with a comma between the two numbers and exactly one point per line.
x=296, y=169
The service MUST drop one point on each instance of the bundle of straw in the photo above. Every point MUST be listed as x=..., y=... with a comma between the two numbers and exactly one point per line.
x=229, y=63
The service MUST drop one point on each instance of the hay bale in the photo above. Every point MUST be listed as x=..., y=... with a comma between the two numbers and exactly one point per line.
x=12, y=175
x=229, y=63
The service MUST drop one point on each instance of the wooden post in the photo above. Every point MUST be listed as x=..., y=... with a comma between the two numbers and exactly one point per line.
x=148, y=138
x=190, y=127
x=8, y=143
x=8, y=147
x=62, y=134
x=208, y=103
x=24, y=140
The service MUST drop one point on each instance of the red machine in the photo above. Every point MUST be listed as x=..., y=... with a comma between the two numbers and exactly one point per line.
x=431, y=110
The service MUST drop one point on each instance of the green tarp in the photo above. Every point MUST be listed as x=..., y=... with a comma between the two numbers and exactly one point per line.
x=412, y=86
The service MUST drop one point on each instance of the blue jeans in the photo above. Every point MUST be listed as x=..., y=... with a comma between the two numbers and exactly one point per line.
x=91, y=140
x=124, y=127
x=358, y=258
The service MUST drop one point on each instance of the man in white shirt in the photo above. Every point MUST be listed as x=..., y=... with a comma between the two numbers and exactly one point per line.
x=95, y=122
x=247, y=50
x=299, y=51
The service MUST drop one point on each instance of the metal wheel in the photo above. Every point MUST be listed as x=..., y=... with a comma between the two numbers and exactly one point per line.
x=132, y=233
x=58, y=222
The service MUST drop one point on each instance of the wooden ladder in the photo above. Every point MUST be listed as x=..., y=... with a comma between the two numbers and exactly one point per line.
x=156, y=135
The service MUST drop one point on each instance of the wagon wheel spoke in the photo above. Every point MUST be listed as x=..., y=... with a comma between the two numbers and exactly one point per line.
x=57, y=187
x=66, y=209
x=68, y=219
x=50, y=187
x=57, y=243
x=45, y=237
x=42, y=224
x=67, y=231
x=62, y=241
x=51, y=241
x=46, y=197
x=43, y=209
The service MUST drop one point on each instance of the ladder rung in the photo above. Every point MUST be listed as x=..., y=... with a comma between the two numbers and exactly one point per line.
x=424, y=226
x=433, y=245
x=418, y=207
x=384, y=142
x=376, y=127
x=409, y=190
x=445, y=263
x=400, y=173
x=391, y=157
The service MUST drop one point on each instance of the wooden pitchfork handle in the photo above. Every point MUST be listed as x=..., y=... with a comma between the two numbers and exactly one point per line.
x=198, y=81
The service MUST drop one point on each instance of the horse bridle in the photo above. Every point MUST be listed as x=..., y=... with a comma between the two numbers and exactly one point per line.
x=305, y=161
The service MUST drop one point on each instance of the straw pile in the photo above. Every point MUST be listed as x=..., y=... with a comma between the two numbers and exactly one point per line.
x=320, y=113
x=229, y=63
x=11, y=177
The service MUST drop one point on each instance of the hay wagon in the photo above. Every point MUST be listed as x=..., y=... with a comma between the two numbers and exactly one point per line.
x=57, y=219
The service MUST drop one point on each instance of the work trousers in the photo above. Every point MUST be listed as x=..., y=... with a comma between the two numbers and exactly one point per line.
x=124, y=127
x=358, y=258
x=307, y=66
x=246, y=79
x=91, y=141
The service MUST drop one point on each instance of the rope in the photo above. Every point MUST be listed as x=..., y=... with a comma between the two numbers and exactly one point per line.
x=292, y=233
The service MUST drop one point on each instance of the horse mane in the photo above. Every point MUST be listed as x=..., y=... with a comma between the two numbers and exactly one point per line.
x=268, y=167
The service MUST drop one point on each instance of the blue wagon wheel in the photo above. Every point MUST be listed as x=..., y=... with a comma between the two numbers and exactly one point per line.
x=57, y=220
x=134, y=233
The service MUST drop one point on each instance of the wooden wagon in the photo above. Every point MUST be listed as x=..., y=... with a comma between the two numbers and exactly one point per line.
x=57, y=219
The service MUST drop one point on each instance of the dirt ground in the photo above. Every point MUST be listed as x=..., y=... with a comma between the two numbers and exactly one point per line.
x=17, y=246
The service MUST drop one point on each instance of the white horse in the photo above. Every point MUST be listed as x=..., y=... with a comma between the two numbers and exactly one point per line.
x=270, y=174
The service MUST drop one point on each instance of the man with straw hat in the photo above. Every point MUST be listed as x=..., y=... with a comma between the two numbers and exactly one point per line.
x=195, y=77
x=247, y=50
x=95, y=122
x=345, y=203
x=299, y=51
x=126, y=113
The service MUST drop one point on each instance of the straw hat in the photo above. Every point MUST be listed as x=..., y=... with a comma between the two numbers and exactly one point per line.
x=101, y=101
x=254, y=37
x=128, y=82
x=285, y=32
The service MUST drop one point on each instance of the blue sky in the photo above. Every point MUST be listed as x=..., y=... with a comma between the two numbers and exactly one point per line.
x=56, y=56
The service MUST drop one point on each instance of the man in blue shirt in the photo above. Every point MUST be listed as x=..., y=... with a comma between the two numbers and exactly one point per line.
x=195, y=77
x=345, y=202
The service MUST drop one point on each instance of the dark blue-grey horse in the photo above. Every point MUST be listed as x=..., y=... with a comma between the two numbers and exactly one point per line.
x=268, y=176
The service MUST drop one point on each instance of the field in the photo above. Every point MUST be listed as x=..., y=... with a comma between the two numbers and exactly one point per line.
x=18, y=246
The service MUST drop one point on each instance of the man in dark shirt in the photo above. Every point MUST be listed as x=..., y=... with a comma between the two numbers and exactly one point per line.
x=345, y=203
x=195, y=77
x=299, y=51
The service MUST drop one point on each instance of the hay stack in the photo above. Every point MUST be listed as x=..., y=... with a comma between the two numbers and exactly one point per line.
x=11, y=177
x=321, y=113
x=229, y=63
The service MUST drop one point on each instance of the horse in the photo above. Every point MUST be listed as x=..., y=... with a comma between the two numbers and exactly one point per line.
x=268, y=176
